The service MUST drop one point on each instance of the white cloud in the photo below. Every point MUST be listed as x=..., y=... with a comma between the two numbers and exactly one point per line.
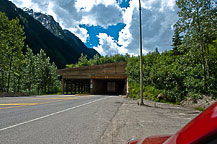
x=128, y=12
x=86, y=6
x=81, y=33
x=108, y=46
x=106, y=16
x=161, y=5
x=167, y=4
x=50, y=11
x=100, y=15
x=125, y=37
x=157, y=18
x=89, y=4
x=89, y=20
x=28, y=4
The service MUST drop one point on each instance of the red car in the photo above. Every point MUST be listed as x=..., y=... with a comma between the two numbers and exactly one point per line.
x=201, y=130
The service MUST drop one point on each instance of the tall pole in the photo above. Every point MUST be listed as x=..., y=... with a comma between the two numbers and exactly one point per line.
x=141, y=63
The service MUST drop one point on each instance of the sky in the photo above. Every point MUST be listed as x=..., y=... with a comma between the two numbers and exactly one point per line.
x=112, y=26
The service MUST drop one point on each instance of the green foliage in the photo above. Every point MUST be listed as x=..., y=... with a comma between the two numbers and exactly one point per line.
x=194, y=96
x=151, y=93
x=172, y=77
x=199, y=108
x=46, y=79
x=29, y=73
x=212, y=81
x=134, y=90
x=197, y=21
x=83, y=61
x=177, y=41
x=12, y=41
x=133, y=70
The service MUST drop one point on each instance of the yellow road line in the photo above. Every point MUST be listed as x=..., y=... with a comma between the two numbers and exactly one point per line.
x=10, y=107
x=60, y=97
x=19, y=104
x=41, y=97
x=29, y=104
x=50, y=101
x=25, y=104
x=54, y=98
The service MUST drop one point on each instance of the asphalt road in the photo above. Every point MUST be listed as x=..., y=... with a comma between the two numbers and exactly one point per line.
x=56, y=119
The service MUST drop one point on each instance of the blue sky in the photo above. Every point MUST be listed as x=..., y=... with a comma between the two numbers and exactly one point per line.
x=112, y=26
x=94, y=31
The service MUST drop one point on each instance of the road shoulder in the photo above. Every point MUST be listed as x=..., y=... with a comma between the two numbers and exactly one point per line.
x=134, y=121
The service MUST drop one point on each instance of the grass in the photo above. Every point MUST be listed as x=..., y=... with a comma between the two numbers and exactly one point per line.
x=199, y=108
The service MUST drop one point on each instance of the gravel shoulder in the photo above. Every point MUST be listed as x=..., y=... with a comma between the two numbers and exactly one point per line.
x=134, y=121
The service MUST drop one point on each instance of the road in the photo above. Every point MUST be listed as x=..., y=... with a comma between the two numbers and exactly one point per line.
x=56, y=119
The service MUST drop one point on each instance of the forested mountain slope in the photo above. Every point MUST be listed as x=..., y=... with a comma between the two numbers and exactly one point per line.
x=62, y=51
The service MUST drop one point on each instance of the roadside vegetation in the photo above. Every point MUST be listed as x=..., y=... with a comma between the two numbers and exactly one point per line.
x=188, y=70
x=20, y=71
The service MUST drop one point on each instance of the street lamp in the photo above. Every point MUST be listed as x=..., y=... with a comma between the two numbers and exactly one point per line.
x=141, y=66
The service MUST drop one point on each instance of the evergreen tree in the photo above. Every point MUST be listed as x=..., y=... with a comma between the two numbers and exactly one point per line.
x=177, y=41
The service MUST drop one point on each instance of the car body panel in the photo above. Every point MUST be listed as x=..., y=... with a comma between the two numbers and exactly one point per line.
x=155, y=139
x=152, y=140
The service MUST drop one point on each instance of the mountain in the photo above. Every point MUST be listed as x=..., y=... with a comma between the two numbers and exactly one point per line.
x=47, y=21
x=60, y=45
x=54, y=27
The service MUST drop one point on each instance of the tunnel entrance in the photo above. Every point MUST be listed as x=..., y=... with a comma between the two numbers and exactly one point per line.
x=109, y=86
x=108, y=79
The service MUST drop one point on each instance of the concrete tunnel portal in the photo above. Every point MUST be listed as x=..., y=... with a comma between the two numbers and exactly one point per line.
x=106, y=79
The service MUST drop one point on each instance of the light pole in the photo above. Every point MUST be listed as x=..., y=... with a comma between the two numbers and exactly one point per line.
x=141, y=64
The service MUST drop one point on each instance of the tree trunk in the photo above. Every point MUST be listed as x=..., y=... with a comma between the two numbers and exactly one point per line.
x=202, y=49
x=18, y=83
x=203, y=65
x=2, y=81
x=207, y=59
x=30, y=89
x=9, y=75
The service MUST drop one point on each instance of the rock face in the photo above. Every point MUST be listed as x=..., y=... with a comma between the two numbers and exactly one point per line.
x=47, y=21
x=43, y=32
x=54, y=27
x=204, y=102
